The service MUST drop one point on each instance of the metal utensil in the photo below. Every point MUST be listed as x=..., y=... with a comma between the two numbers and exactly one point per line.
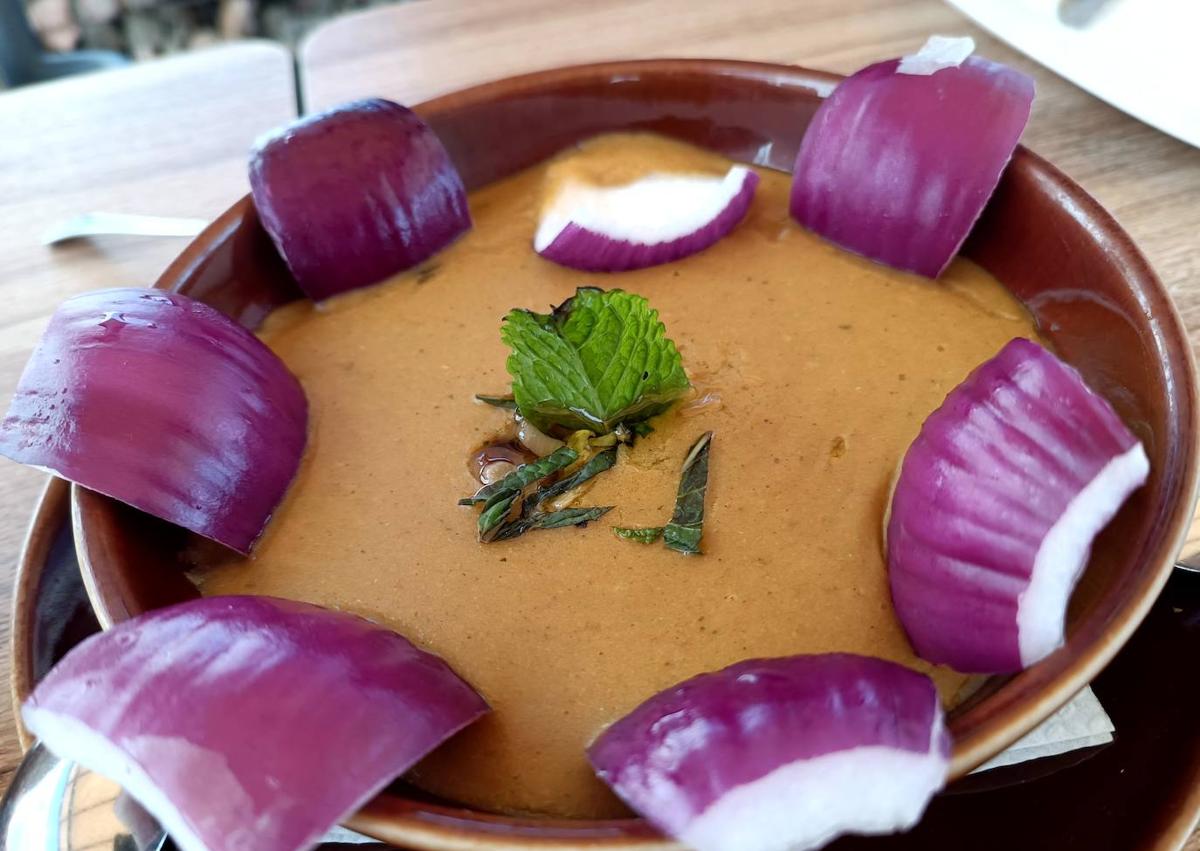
x=120, y=224
x=56, y=804
x=53, y=803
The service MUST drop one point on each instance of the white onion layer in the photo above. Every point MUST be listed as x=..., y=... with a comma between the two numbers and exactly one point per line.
x=762, y=815
x=96, y=753
x=938, y=52
x=823, y=797
x=655, y=209
x=1041, y=605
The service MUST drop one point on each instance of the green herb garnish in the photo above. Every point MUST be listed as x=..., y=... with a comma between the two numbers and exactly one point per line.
x=641, y=429
x=500, y=497
x=683, y=533
x=600, y=359
x=507, y=402
x=551, y=520
x=523, y=477
x=643, y=536
x=687, y=523
x=595, y=465
x=495, y=512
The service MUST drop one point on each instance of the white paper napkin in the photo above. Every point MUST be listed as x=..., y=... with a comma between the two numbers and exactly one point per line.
x=346, y=837
x=1082, y=723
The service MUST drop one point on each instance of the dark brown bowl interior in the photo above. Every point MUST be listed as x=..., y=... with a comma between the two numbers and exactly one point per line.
x=1091, y=291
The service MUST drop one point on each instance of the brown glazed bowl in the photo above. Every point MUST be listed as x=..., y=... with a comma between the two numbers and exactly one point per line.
x=1089, y=288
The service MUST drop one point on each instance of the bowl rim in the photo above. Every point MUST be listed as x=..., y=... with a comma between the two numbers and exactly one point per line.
x=439, y=826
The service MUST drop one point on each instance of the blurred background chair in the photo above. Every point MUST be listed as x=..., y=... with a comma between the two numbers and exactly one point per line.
x=23, y=60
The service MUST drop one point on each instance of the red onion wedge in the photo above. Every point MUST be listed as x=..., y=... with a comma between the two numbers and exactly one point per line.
x=356, y=194
x=657, y=219
x=781, y=753
x=995, y=508
x=900, y=160
x=166, y=404
x=249, y=722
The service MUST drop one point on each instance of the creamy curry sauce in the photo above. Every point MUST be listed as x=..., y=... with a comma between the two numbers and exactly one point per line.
x=814, y=368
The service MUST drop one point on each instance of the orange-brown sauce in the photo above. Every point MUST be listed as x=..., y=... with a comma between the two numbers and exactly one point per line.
x=818, y=367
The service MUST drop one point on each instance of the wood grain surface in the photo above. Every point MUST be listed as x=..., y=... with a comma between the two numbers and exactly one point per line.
x=166, y=137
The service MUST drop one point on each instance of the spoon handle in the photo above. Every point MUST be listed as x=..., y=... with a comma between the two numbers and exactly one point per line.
x=120, y=224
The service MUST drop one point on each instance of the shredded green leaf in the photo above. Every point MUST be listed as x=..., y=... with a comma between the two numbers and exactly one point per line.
x=551, y=520
x=596, y=465
x=495, y=512
x=642, y=429
x=523, y=477
x=507, y=402
x=683, y=533
x=600, y=359
x=643, y=536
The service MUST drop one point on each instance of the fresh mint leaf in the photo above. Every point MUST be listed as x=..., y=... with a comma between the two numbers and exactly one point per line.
x=683, y=533
x=643, y=536
x=600, y=359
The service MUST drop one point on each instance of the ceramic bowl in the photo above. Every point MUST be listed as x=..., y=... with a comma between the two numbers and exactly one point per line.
x=1091, y=291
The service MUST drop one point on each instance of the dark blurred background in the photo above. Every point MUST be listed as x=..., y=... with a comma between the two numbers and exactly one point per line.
x=142, y=29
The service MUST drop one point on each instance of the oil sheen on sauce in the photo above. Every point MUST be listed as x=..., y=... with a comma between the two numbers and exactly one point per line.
x=814, y=368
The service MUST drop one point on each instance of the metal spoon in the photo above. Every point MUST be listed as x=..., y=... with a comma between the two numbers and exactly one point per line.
x=120, y=224
x=51, y=801
x=55, y=803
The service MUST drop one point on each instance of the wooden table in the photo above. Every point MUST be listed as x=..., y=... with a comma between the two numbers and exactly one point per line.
x=166, y=137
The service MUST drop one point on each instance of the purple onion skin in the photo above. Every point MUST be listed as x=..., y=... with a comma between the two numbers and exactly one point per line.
x=898, y=167
x=356, y=194
x=717, y=731
x=166, y=404
x=990, y=473
x=263, y=721
x=577, y=247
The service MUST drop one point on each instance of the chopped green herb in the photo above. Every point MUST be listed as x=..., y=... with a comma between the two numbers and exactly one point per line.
x=507, y=402
x=523, y=476
x=495, y=512
x=683, y=533
x=643, y=536
x=551, y=520
x=642, y=429
x=599, y=359
x=595, y=465
x=500, y=498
